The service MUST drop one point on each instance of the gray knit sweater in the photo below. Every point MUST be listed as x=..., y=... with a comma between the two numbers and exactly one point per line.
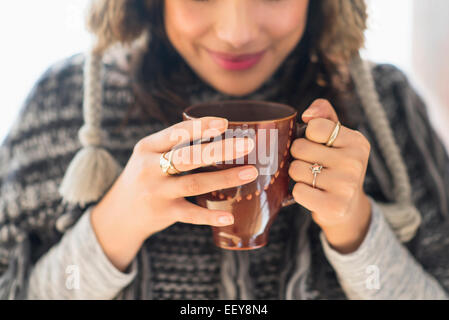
x=182, y=262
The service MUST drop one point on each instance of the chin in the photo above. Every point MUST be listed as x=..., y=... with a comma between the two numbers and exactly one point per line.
x=236, y=93
x=236, y=89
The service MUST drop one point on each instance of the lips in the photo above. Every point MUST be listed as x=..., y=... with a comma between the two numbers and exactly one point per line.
x=236, y=62
x=234, y=57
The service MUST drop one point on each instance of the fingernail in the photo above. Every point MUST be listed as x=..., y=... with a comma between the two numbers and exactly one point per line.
x=312, y=111
x=309, y=113
x=225, y=220
x=218, y=124
x=248, y=174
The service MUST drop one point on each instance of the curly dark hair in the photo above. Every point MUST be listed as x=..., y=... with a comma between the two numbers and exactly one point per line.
x=316, y=68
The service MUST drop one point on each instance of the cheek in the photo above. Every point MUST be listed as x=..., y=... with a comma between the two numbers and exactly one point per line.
x=182, y=22
x=287, y=20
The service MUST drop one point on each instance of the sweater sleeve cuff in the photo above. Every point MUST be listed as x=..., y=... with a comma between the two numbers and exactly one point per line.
x=381, y=268
x=354, y=269
x=100, y=275
x=368, y=247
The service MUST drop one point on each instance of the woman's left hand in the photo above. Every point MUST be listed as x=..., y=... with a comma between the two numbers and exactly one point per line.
x=338, y=204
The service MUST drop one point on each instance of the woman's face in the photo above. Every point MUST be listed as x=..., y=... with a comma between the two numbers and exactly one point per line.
x=266, y=30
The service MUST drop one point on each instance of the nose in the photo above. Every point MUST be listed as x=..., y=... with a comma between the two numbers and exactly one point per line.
x=236, y=24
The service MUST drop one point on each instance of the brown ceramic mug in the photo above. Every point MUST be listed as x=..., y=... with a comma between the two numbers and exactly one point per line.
x=255, y=205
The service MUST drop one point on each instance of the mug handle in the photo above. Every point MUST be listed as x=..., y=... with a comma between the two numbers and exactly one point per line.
x=299, y=133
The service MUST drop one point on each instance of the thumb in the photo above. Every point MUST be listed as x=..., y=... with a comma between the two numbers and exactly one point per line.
x=320, y=108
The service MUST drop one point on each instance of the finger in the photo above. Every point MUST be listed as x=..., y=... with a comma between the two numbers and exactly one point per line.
x=326, y=208
x=188, y=212
x=319, y=131
x=312, y=152
x=199, y=183
x=320, y=108
x=183, y=132
x=200, y=155
x=300, y=171
x=330, y=180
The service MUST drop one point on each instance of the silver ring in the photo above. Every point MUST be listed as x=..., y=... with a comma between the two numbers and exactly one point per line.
x=316, y=169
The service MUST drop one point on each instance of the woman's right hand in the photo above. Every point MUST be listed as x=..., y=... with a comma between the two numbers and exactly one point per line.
x=144, y=200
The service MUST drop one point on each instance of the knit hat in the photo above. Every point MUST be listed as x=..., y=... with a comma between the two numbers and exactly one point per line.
x=93, y=170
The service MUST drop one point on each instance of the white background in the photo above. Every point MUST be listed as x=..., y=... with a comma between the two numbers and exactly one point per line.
x=35, y=34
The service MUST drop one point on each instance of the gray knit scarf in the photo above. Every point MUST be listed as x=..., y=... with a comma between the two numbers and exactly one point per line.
x=93, y=171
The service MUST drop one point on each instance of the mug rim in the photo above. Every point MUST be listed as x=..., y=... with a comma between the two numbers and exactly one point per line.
x=293, y=115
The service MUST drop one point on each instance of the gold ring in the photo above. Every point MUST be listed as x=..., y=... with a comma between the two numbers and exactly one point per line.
x=334, y=135
x=167, y=164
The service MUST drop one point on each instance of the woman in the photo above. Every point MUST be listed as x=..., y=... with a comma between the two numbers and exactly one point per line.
x=373, y=227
